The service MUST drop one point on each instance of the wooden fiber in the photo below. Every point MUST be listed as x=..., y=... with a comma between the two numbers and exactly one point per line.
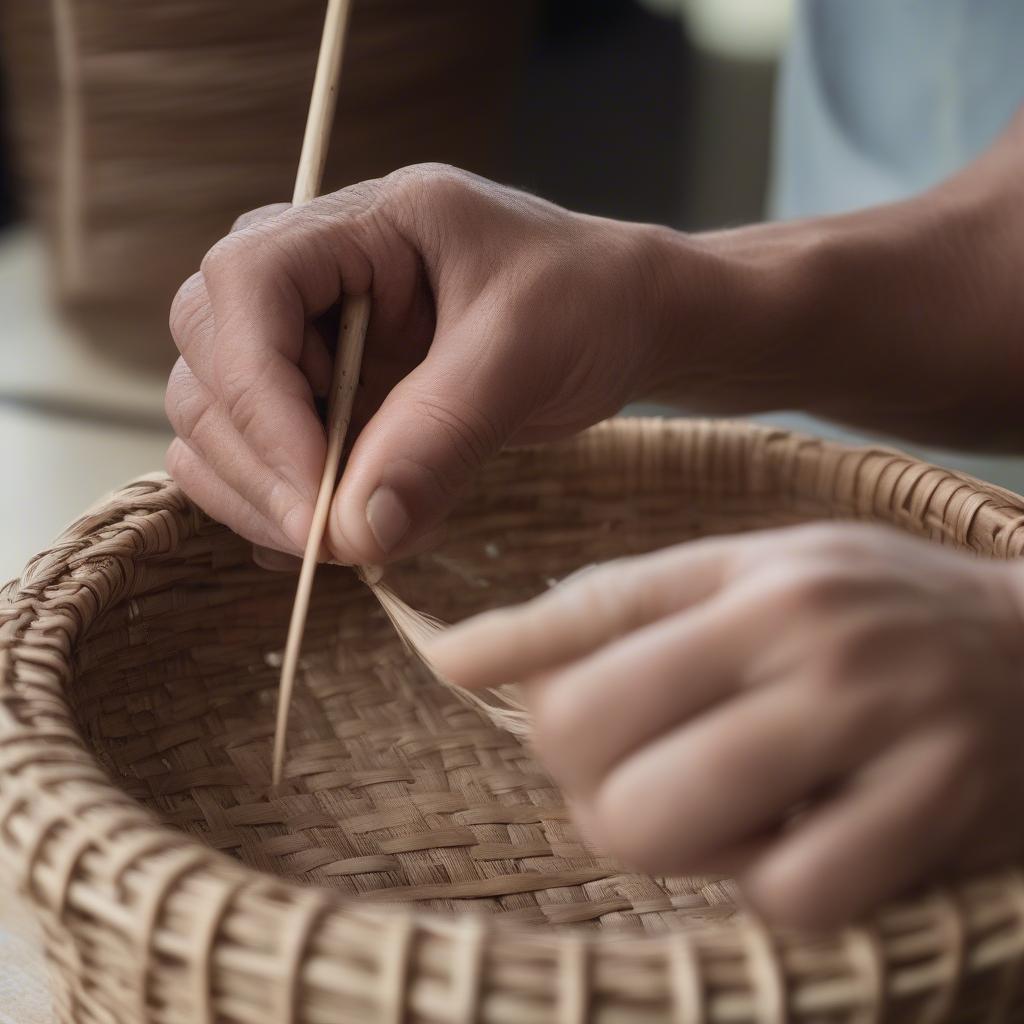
x=348, y=356
x=417, y=864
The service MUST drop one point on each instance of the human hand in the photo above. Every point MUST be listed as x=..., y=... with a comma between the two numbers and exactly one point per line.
x=829, y=713
x=497, y=318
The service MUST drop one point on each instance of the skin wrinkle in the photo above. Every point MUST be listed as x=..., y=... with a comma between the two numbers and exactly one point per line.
x=190, y=430
x=186, y=466
x=190, y=317
x=279, y=456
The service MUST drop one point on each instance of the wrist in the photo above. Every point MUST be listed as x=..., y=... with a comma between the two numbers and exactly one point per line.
x=730, y=317
x=868, y=317
x=863, y=317
x=890, y=302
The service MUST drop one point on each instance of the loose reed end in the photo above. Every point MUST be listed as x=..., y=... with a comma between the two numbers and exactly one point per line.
x=503, y=707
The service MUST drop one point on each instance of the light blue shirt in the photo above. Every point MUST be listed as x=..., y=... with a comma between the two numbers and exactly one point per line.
x=881, y=98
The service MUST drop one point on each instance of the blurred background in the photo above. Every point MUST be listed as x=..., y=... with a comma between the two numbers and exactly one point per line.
x=133, y=134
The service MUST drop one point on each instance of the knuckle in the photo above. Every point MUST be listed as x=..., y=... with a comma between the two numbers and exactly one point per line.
x=437, y=179
x=429, y=193
x=175, y=458
x=185, y=401
x=274, y=260
x=247, y=256
x=175, y=392
x=610, y=594
x=179, y=378
x=240, y=394
x=192, y=423
x=190, y=311
x=355, y=201
x=261, y=213
x=222, y=257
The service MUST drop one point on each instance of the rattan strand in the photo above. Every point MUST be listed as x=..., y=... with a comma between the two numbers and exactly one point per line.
x=173, y=884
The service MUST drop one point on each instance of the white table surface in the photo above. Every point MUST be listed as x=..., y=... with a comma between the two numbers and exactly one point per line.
x=24, y=992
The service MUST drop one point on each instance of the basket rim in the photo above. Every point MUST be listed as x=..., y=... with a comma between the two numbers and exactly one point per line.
x=48, y=779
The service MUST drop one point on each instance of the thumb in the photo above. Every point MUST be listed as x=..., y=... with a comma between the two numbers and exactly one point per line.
x=419, y=451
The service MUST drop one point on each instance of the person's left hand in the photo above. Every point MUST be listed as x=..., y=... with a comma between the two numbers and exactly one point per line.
x=830, y=713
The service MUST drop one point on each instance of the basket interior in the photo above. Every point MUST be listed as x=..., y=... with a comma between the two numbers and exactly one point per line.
x=396, y=790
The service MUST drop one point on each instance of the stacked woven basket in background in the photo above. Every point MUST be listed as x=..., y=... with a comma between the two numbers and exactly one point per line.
x=143, y=129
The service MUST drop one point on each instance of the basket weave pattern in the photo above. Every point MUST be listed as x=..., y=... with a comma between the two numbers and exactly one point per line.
x=137, y=682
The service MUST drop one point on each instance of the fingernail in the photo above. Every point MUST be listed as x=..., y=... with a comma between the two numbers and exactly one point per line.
x=387, y=518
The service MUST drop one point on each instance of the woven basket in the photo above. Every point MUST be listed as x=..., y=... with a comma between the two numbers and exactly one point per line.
x=142, y=129
x=418, y=865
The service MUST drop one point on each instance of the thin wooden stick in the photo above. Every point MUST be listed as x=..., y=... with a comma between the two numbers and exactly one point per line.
x=317, y=137
x=354, y=319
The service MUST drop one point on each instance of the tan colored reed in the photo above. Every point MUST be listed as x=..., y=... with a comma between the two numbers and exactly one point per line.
x=418, y=865
x=348, y=357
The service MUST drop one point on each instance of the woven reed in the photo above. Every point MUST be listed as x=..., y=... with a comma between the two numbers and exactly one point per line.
x=143, y=129
x=137, y=687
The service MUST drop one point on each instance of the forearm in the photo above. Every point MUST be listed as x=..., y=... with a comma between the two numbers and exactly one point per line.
x=907, y=318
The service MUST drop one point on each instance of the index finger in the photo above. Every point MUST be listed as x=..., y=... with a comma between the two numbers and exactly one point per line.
x=586, y=612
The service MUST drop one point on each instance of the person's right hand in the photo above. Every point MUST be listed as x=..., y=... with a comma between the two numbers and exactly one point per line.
x=496, y=318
